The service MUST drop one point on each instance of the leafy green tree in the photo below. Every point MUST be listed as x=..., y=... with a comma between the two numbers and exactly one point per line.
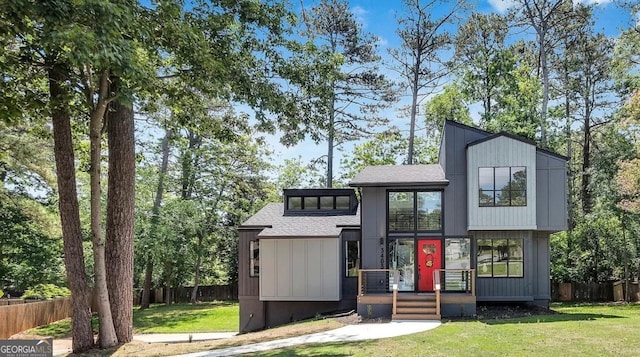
x=356, y=90
x=594, y=81
x=547, y=18
x=28, y=255
x=386, y=148
x=451, y=104
x=420, y=60
x=481, y=51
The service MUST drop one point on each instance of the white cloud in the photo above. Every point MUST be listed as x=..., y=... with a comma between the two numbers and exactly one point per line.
x=360, y=14
x=501, y=6
x=382, y=42
x=592, y=2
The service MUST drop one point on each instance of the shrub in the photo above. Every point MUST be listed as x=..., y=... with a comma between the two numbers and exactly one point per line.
x=1, y=293
x=45, y=291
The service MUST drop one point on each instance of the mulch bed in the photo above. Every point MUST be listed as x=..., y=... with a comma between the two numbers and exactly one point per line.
x=483, y=312
x=510, y=311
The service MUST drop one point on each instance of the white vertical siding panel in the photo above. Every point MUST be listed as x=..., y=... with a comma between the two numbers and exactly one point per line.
x=268, y=259
x=299, y=271
x=330, y=267
x=283, y=267
x=501, y=152
x=314, y=265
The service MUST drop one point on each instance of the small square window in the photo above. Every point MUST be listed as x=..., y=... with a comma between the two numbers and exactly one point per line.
x=310, y=203
x=343, y=202
x=294, y=203
x=326, y=202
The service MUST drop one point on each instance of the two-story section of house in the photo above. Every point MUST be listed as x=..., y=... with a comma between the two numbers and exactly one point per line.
x=422, y=241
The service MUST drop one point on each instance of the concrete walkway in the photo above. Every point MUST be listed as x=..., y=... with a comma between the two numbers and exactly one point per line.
x=63, y=346
x=357, y=332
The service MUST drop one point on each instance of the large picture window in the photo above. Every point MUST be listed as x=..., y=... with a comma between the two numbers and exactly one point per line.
x=415, y=211
x=500, y=258
x=502, y=186
x=401, y=258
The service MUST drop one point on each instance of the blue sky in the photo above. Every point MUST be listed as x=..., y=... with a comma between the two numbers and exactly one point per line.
x=378, y=18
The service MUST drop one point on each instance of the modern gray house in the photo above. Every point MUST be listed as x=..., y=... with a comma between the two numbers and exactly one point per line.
x=410, y=241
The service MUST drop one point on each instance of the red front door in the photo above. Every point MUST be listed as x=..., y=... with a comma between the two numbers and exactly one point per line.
x=428, y=261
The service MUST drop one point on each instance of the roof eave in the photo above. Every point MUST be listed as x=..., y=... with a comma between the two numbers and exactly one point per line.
x=400, y=184
x=253, y=227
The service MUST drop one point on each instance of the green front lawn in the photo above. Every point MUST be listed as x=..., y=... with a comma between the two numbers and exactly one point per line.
x=219, y=316
x=579, y=330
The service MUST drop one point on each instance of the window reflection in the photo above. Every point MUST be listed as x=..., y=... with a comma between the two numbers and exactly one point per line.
x=401, y=258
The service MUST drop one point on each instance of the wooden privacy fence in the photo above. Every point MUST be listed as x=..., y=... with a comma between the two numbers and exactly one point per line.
x=20, y=317
x=205, y=293
x=582, y=291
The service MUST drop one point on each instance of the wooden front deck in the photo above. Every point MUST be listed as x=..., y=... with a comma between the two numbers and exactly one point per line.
x=451, y=287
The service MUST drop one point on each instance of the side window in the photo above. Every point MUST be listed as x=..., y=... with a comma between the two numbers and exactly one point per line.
x=352, y=257
x=254, y=254
x=500, y=258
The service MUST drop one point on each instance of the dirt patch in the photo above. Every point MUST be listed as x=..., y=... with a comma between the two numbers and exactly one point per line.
x=510, y=311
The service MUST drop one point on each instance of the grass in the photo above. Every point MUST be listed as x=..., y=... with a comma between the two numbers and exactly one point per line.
x=205, y=317
x=578, y=330
x=178, y=318
x=141, y=349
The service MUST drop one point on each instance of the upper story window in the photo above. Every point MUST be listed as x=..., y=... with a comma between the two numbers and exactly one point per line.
x=320, y=202
x=502, y=186
x=411, y=211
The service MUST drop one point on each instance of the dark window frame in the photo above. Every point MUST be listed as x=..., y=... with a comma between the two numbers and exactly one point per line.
x=415, y=229
x=317, y=208
x=254, y=262
x=356, y=266
x=509, y=260
x=495, y=191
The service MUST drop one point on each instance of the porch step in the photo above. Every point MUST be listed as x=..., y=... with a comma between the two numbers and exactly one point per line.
x=415, y=297
x=400, y=317
x=416, y=307
x=414, y=303
x=415, y=310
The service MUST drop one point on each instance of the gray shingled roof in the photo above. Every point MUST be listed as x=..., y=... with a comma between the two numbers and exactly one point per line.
x=400, y=175
x=277, y=224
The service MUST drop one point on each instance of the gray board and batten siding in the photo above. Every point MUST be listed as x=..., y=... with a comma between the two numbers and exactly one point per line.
x=270, y=225
x=550, y=213
x=550, y=179
x=374, y=183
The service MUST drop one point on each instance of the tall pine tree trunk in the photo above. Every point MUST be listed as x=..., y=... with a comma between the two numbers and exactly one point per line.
x=148, y=275
x=81, y=331
x=120, y=215
x=196, y=280
x=415, y=86
x=107, y=333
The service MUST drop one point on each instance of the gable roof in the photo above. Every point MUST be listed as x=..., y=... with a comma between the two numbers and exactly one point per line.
x=520, y=139
x=275, y=224
x=491, y=136
x=400, y=175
